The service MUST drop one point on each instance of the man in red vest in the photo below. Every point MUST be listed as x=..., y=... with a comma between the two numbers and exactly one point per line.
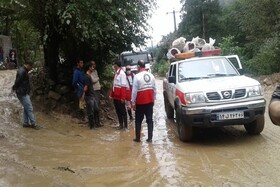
x=143, y=96
x=118, y=93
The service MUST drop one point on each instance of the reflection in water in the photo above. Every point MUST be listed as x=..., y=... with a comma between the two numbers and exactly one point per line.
x=64, y=153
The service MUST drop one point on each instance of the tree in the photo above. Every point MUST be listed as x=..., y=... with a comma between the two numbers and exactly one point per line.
x=258, y=20
x=258, y=24
x=202, y=19
x=86, y=29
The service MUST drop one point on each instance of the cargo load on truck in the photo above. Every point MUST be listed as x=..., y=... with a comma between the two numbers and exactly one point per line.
x=197, y=47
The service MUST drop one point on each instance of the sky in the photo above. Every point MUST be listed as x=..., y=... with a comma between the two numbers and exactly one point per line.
x=162, y=20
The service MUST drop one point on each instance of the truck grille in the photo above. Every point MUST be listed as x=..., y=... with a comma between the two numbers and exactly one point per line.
x=226, y=94
x=213, y=96
x=239, y=93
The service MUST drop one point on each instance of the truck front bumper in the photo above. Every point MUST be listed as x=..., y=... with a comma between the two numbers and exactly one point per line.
x=206, y=116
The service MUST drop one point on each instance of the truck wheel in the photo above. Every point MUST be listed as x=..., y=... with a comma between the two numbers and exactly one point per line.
x=168, y=109
x=255, y=127
x=185, y=132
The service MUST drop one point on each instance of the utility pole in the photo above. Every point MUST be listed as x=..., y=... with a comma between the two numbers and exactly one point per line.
x=174, y=17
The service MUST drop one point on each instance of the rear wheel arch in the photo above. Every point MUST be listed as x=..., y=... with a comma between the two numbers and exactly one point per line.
x=168, y=108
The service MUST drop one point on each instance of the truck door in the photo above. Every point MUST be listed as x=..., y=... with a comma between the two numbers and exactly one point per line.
x=172, y=85
x=234, y=59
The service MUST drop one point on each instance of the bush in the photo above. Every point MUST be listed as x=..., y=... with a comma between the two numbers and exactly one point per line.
x=107, y=77
x=161, y=67
x=266, y=61
x=230, y=47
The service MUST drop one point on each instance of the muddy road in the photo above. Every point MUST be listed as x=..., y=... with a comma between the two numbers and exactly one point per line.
x=66, y=154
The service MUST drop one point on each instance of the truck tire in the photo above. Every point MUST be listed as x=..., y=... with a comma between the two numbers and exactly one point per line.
x=255, y=127
x=185, y=132
x=168, y=109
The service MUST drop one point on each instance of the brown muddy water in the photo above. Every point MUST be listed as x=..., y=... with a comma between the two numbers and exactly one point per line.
x=66, y=154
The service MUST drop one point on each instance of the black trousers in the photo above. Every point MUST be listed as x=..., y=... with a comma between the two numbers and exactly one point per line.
x=121, y=113
x=141, y=111
x=90, y=110
x=97, y=96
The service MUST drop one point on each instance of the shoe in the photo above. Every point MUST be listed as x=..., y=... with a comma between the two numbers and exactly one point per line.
x=136, y=140
x=36, y=127
x=26, y=125
x=149, y=140
x=119, y=128
x=99, y=125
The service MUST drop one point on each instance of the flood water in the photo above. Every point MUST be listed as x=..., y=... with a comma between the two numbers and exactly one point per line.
x=66, y=154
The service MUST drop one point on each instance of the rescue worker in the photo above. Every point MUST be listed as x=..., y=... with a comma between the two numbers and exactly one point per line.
x=143, y=96
x=128, y=103
x=118, y=93
x=274, y=107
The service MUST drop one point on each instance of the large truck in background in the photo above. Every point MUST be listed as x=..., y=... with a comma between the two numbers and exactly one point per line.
x=131, y=58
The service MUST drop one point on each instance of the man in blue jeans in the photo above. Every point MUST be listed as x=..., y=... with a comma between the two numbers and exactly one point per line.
x=22, y=89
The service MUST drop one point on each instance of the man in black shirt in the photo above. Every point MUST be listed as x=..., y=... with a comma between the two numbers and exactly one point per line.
x=92, y=107
x=22, y=89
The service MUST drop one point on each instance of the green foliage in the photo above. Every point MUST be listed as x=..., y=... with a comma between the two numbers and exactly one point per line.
x=26, y=41
x=164, y=46
x=86, y=29
x=161, y=67
x=256, y=20
x=248, y=28
x=202, y=19
x=230, y=47
x=266, y=61
x=107, y=76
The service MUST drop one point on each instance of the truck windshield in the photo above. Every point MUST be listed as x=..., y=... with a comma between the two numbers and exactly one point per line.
x=205, y=68
x=132, y=59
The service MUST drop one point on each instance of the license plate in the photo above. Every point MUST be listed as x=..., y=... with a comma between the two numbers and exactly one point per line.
x=230, y=115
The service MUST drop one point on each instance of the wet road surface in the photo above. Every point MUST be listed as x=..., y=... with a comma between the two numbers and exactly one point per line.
x=65, y=154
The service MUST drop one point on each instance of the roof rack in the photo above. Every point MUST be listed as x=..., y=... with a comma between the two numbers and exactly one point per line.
x=213, y=52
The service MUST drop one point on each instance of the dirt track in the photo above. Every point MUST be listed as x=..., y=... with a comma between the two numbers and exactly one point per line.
x=64, y=153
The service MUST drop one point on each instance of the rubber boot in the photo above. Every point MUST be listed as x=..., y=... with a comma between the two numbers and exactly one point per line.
x=130, y=114
x=137, y=132
x=120, y=122
x=97, y=119
x=91, y=121
x=150, y=132
x=125, y=121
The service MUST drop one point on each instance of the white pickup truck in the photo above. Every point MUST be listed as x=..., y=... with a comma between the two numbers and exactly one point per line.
x=212, y=92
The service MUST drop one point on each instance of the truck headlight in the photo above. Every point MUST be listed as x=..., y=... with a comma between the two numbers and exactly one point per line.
x=195, y=98
x=255, y=91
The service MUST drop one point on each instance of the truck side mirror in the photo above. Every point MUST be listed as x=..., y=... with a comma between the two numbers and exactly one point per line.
x=172, y=79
